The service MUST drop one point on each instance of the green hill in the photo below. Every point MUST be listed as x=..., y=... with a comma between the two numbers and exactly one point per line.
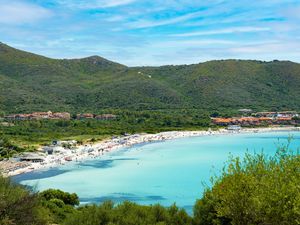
x=30, y=82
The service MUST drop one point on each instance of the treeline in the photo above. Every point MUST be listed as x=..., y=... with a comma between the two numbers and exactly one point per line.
x=36, y=132
x=256, y=190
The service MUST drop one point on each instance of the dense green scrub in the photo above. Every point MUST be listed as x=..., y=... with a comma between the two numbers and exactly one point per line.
x=8, y=149
x=30, y=82
x=256, y=190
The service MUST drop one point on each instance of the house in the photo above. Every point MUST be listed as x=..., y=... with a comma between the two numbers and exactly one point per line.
x=234, y=128
x=222, y=121
x=106, y=117
x=286, y=114
x=277, y=114
x=248, y=121
x=266, y=114
x=266, y=120
x=85, y=116
x=10, y=117
x=245, y=121
x=61, y=115
x=284, y=120
x=40, y=115
x=22, y=116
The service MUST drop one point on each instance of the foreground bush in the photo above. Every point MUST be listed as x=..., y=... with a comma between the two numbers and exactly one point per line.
x=59, y=204
x=19, y=206
x=255, y=190
x=129, y=213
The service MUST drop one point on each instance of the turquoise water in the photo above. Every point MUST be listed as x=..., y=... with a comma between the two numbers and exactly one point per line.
x=161, y=172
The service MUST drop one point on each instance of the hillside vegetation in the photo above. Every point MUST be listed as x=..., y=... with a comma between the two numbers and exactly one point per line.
x=30, y=82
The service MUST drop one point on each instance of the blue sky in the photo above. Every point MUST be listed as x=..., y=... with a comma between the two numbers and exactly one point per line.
x=152, y=32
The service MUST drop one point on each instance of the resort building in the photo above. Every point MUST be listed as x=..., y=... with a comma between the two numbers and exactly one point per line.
x=85, y=116
x=285, y=114
x=106, y=117
x=234, y=128
x=39, y=115
x=61, y=115
x=58, y=116
x=263, y=118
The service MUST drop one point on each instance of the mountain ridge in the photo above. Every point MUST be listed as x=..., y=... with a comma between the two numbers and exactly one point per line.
x=145, y=66
x=31, y=82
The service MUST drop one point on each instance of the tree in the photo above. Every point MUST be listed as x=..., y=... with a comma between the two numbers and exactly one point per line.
x=67, y=198
x=255, y=190
x=19, y=206
x=7, y=149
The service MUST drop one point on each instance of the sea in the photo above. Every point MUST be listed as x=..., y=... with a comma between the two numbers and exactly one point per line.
x=173, y=171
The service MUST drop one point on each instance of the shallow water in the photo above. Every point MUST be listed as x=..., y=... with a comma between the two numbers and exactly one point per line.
x=161, y=172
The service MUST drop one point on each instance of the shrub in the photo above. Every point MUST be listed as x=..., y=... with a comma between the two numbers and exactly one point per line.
x=19, y=206
x=67, y=198
x=255, y=190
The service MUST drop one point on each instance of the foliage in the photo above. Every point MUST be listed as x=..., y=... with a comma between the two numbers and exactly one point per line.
x=19, y=206
x=66, y=198
x=30, y=82
x=7, y=149
x=58, y=203
x=128, y=213
x=255, y=190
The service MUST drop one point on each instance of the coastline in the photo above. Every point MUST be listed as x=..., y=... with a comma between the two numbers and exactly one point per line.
x=84, y=152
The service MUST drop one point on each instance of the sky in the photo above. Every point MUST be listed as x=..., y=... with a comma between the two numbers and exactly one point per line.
x=154, y=32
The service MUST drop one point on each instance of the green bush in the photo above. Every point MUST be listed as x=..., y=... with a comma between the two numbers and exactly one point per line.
x=65, y=197
x=128, y=213
x=255, y=190
x=19, y=206
x=7, y=149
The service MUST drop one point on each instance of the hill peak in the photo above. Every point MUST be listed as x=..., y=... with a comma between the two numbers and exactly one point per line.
x=97, y=61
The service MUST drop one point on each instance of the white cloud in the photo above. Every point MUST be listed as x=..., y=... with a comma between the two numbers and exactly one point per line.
x=191, y=43
x=16, y=12
x=147, y=23
x=224, y=31
x=115, y=18
x=113, y=3
x=93, y=4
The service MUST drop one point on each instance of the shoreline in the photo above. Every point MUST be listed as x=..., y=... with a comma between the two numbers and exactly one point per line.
x=85, y=152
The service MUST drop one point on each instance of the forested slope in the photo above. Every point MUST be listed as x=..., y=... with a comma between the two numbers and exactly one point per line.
x=30, y=82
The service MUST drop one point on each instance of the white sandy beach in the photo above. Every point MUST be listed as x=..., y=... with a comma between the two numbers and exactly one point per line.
x=83, y=152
